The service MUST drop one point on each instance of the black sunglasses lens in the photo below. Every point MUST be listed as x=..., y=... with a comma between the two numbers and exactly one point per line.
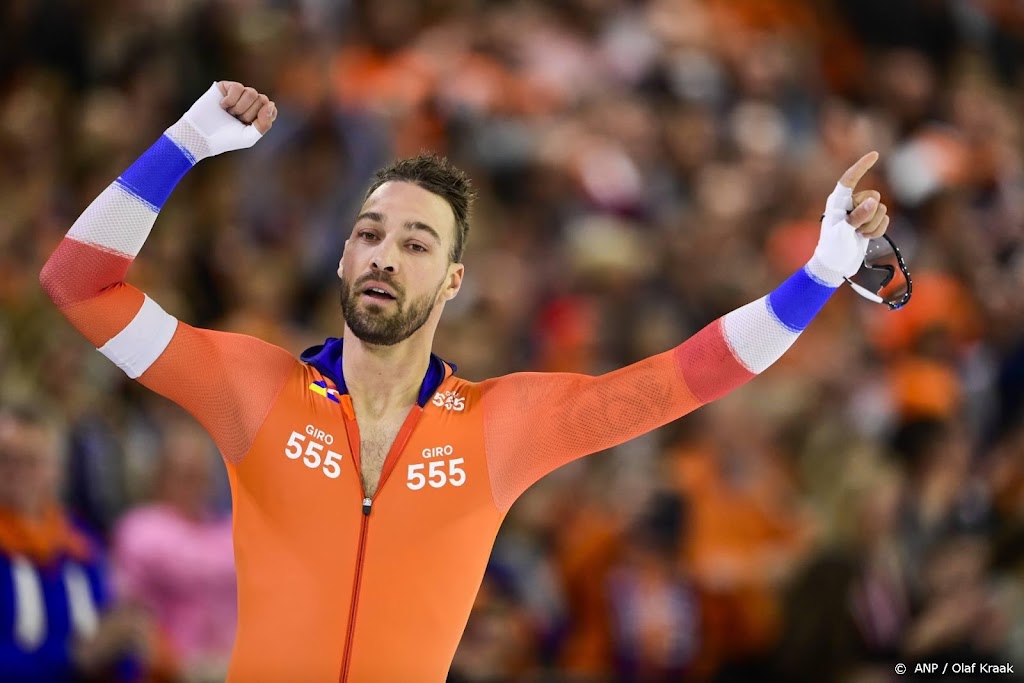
x=881, y=273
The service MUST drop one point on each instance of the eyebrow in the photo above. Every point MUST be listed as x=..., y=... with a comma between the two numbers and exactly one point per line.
x=409, y=225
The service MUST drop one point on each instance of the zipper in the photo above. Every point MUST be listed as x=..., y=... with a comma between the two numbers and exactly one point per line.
x=352, y=432
x=351, y=631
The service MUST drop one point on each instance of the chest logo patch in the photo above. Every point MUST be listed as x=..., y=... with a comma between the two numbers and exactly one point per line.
x=320, y=387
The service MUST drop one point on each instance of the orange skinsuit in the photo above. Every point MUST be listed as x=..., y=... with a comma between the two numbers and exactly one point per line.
x=333, y=586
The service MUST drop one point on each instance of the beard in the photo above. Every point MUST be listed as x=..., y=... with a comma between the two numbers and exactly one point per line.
x=373, y=325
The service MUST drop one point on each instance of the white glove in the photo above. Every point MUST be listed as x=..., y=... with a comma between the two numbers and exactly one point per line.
x=840, y=247
x=207, y=129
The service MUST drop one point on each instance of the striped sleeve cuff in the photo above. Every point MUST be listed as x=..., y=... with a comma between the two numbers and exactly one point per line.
x=797, y=300
x=135, y=348
x=745, y=342
x=154, y=175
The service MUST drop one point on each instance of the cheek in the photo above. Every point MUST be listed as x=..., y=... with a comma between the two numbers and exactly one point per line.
x=346, y=263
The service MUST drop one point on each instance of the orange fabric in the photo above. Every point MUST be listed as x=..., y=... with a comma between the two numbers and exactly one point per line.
x=366, y=79
x=227, y=381
x=536, y=422
x=733, y=531
x=327, y=590
x=423, y=550
x=102, y=317
x=43, y=540
x=398, y=85
x=588, y=546
x=939, y=301
x=925, y=388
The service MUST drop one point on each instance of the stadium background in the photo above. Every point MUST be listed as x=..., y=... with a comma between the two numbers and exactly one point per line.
x=644, y=166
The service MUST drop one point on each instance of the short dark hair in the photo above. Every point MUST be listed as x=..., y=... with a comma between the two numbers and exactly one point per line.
x=437, y=175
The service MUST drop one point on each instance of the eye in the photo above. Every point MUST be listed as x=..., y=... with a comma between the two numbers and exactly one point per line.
x=368, y=235
x=419, y=248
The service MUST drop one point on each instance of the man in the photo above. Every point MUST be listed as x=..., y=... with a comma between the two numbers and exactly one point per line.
x=55, y=618
x=368, y=485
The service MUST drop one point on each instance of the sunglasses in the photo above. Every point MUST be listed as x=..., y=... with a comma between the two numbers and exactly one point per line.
x=883, y=277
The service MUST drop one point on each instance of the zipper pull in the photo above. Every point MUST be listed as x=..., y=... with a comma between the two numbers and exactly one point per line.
x=367, y=503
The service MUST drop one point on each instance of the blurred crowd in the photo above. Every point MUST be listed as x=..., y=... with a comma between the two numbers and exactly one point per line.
x=644, y=166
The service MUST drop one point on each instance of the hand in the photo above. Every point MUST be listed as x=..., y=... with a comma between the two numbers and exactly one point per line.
x=247, y=105
x=229, y=116
x=851, y=220
x=122, y=630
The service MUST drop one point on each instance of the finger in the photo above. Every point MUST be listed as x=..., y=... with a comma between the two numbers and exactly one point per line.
x=859, y=197
x=222, y=86
x=253, y=111
x=876, y=219
x=857, y=171
x=265, y=118
x=863, y=213
x=245, y=100
x=231, y=95
x=878, y=232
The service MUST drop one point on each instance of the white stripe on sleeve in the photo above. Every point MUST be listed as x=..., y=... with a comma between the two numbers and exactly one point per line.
x=115, y=221
x=756, y=336
x=822, y=273
x=141, y=342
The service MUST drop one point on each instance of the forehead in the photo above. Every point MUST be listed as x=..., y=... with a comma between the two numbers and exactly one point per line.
x=402, y=202
x=18, y=439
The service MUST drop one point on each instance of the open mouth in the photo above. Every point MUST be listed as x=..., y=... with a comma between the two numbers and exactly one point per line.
x=377, y=293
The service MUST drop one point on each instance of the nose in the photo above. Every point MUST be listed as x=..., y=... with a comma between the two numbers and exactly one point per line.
x=384, y=257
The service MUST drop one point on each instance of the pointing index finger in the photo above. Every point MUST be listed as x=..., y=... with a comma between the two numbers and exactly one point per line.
x=857, y=171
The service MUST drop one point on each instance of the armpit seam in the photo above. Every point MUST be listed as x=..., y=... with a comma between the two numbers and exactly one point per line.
x=237, y=460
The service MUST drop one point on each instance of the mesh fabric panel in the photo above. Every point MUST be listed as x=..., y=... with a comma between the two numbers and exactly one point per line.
x=536, y=422
x=227, y=381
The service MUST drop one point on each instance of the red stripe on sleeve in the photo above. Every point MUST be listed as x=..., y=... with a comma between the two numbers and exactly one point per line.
x=77, y=271
x=708, y=365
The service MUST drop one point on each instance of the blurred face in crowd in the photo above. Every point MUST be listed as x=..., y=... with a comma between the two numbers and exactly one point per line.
x=186, y=473
x=28, y=466
x=396, y=272
x=956, y=564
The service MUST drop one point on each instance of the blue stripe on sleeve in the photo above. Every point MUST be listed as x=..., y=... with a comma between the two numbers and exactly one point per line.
x=797, y=300
x=153, y=175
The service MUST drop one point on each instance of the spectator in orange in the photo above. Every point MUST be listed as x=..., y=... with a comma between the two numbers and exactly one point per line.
x=745, y=538
x=59, y=624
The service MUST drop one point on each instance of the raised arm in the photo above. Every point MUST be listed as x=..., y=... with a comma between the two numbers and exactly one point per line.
x=536, y=422
x=226, y=381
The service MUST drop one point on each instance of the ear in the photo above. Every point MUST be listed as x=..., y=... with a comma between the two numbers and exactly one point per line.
x=341, y=261
x=453, y=281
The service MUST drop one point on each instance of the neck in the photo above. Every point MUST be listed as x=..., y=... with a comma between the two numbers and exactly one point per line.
x=381, y=379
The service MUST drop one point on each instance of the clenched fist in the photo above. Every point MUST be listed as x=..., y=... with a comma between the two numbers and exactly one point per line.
x=228, y=116
x=247, y=105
